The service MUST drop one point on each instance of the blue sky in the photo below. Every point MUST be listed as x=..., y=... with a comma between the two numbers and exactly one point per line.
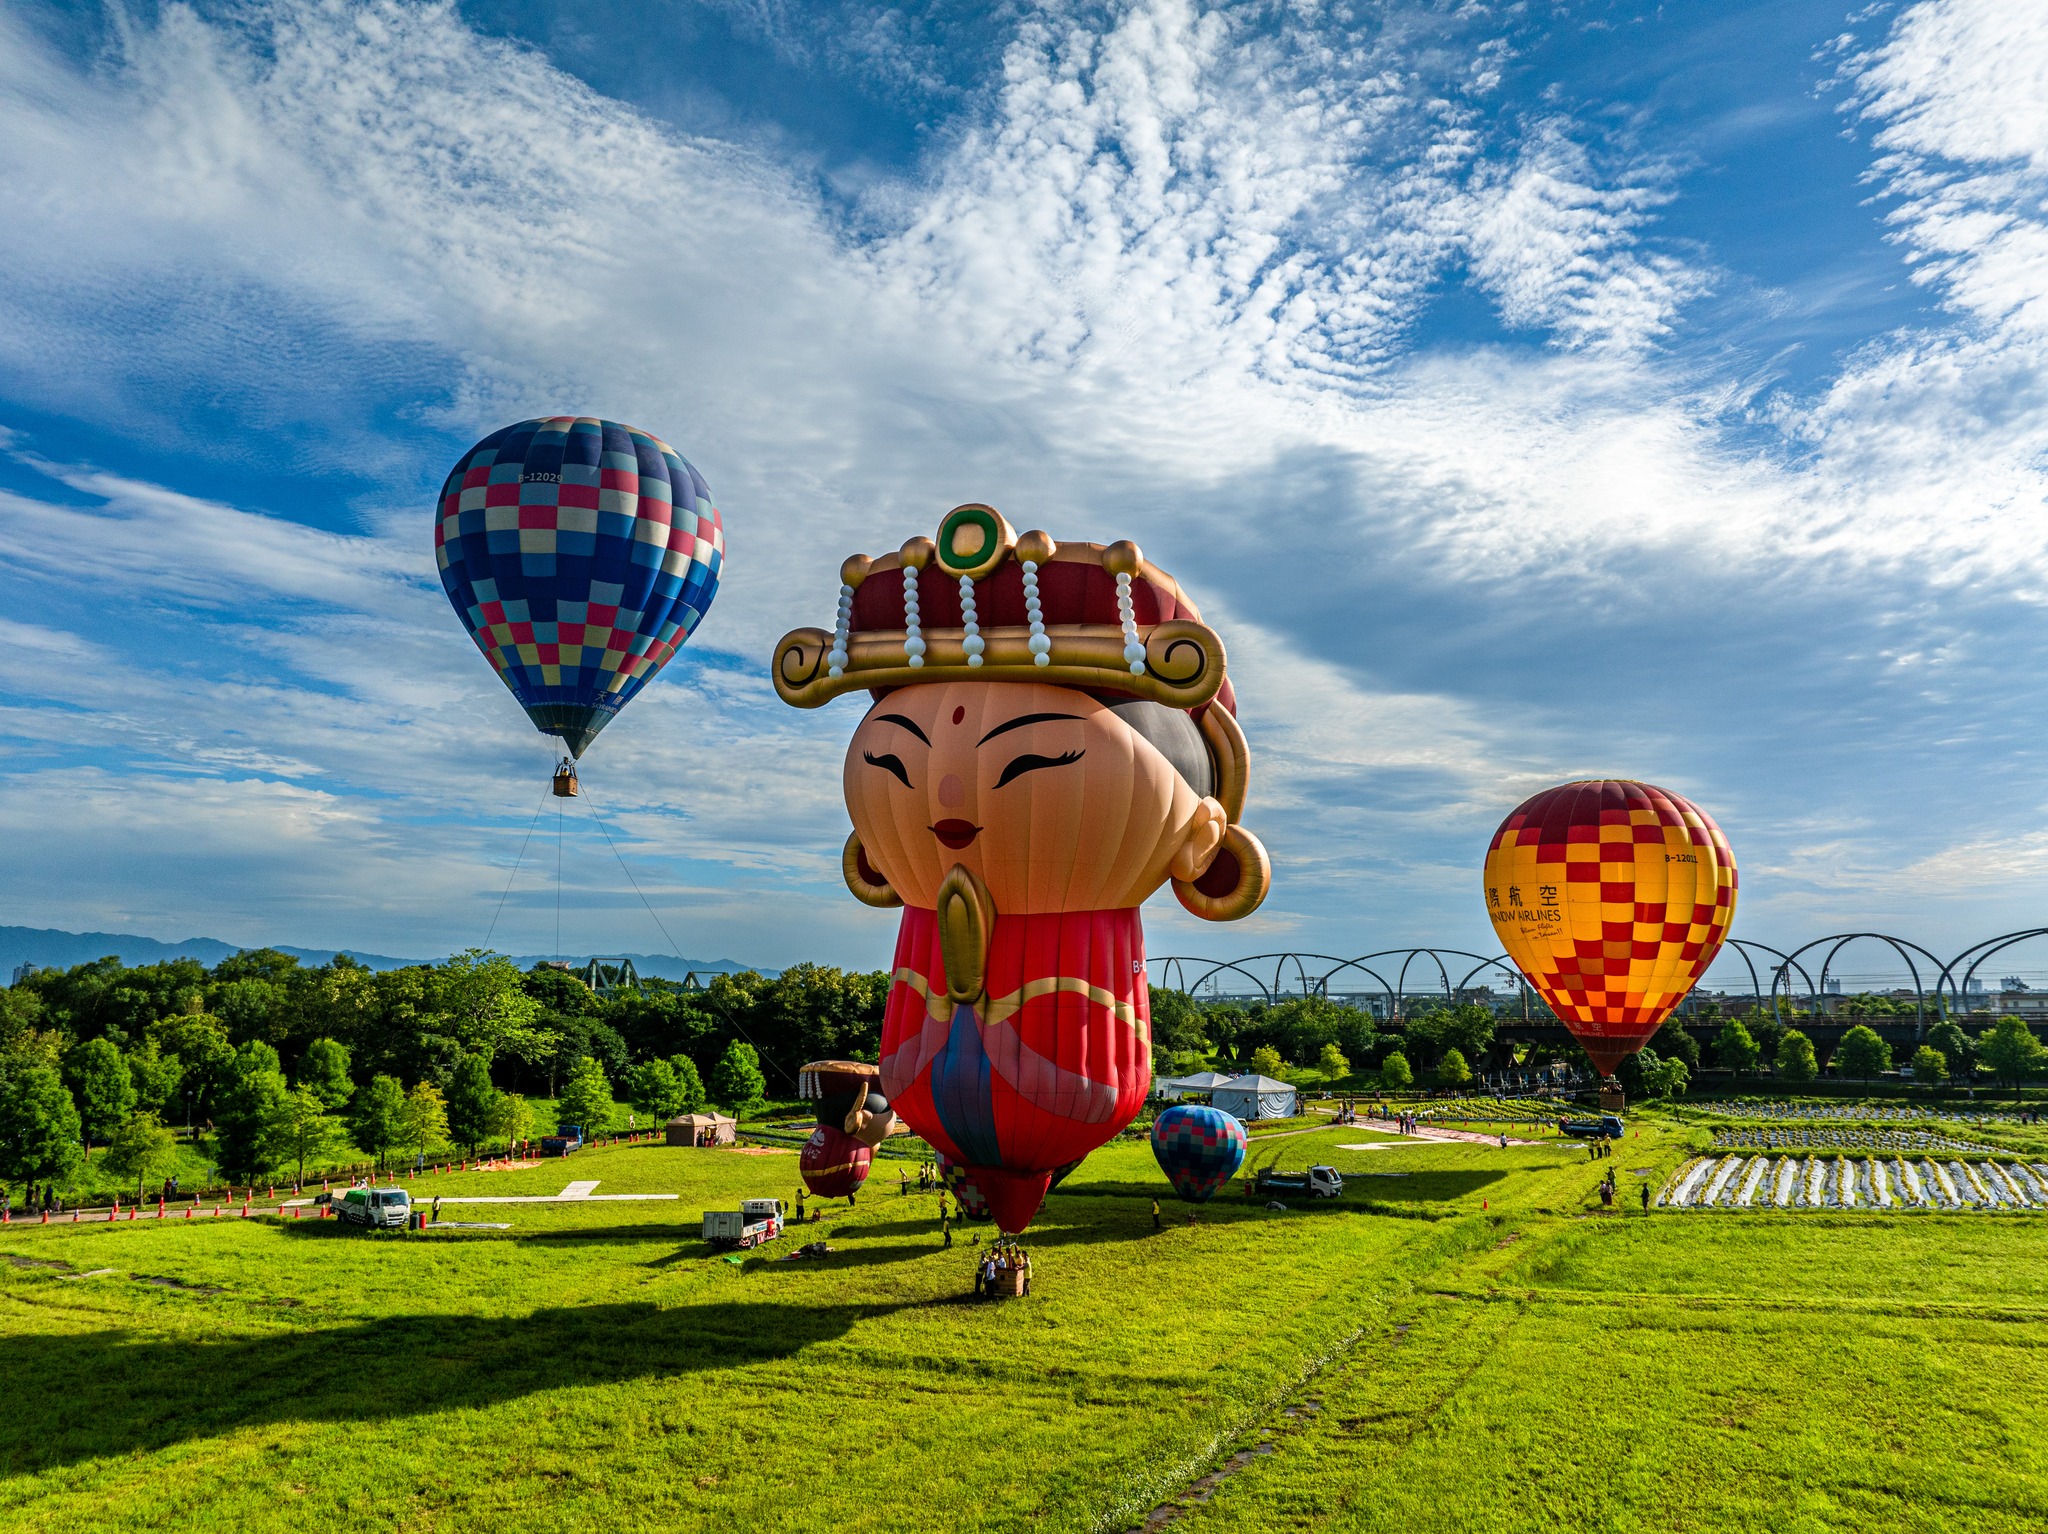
x=1527, y=391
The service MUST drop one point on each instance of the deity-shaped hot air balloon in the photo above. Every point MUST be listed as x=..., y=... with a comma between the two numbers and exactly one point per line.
x=1612, y=898
x=579, y=554
x=853, y=1118
x=1052, y=738
x=1198, y=1148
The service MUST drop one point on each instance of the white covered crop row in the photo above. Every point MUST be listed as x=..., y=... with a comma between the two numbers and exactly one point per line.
x=1845, y=1182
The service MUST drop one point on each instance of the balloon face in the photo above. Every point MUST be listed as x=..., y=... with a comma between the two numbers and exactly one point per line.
x=1051, y=798
x=834, y=1164
x=1199, y=1149
x=1612, y=898
x=579, y=554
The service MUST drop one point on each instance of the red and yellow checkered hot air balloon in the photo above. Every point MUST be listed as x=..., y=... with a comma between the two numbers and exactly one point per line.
x=1612, y=898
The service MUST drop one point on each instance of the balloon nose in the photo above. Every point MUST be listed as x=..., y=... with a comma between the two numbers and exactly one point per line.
x=951, y=792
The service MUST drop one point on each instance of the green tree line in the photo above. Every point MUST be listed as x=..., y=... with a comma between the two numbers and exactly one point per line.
x=283, y=1064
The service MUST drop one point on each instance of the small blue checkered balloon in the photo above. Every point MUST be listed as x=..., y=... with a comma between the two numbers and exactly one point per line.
x=579, y=554
x=1199, y=1149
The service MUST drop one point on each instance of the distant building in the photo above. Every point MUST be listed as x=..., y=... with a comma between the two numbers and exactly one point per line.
x=23, y=971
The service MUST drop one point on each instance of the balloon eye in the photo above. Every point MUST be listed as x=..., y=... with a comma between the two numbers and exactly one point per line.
x=1024, y=764
x=889, y=763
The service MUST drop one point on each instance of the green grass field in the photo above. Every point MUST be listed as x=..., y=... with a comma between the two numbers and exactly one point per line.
x=1458, y=1345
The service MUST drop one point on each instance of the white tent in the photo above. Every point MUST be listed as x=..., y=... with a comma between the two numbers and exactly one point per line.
x=1255, y=1097
x=1182, y=1086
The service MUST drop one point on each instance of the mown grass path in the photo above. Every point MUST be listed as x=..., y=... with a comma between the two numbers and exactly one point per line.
x=1457, y=1345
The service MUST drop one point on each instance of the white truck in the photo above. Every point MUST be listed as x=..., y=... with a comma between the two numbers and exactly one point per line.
x=1315, y=1182
x=755, y=1221
x=378, y=1208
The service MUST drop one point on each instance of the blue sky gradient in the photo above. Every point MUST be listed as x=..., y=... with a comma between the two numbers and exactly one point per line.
x=1654, y=390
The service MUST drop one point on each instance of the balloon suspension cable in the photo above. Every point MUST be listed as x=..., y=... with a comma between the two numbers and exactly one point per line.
x=516, y=862
x=558, y=881
x=672, y=948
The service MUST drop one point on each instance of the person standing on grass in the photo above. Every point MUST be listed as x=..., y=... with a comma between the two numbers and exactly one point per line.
x=1155, y=1214
x=437, y=1209
x=1646, y=1198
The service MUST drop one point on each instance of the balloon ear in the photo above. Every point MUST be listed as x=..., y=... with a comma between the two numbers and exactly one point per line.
x=1203, y=842
x=1235, y=882
x=868, y=886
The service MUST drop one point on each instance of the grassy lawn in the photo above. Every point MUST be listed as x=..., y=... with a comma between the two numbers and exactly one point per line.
x=1455, y=1345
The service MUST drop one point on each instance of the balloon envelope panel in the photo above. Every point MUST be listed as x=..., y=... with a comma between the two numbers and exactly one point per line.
x=579, y=554
x=966, y=1192
x=1612, y=898
x=1199, y=1149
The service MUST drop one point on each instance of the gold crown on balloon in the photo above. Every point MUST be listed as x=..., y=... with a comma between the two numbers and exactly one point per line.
x=981, y=603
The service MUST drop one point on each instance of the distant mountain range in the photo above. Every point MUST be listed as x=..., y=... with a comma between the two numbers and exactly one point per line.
x=47, y=948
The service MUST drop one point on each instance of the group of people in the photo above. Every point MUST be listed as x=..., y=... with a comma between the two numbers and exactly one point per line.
x=31, y=1203
x=927, y=1178
x=1609, y=1192
x=995, y=1269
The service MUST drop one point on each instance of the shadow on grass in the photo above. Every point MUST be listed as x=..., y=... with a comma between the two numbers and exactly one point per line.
x=117, y=1392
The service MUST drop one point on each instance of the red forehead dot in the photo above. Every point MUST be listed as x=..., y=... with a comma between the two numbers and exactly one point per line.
x=959, y=714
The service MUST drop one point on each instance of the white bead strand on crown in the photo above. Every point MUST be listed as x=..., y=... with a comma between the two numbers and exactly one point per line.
x=1041, y=646
x=973, y=644
x=1134, y=652
x=913, y=633
x=835, y=663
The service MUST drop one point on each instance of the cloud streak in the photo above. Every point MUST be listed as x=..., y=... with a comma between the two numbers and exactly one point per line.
x=1164, y=276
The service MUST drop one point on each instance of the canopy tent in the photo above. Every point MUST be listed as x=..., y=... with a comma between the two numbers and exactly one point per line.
x=1255, y=1097
x=702, y=1129
x=1182, y=1086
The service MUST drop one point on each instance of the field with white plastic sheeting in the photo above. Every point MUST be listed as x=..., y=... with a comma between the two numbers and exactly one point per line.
x=1855, y=1182
x=1855, y=1113
x=1854, y=1137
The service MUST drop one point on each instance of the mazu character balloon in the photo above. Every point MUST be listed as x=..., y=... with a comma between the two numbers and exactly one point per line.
x=579, y=554
x=1052, y=737
x=1612, y=898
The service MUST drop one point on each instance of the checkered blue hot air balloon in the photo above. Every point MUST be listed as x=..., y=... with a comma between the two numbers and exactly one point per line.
x=1199, y=1149
x=579, y=554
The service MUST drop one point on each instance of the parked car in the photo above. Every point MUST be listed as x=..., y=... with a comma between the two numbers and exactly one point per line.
x=568, y=1138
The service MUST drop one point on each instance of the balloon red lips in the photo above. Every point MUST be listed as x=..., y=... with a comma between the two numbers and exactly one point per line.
x=955, y=833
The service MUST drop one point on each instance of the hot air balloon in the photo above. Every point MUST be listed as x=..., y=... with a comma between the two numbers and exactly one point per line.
x=1052, y=739
x=579, y=554
x=1198, y=1148
x=853, y=1118
x=1612, y=898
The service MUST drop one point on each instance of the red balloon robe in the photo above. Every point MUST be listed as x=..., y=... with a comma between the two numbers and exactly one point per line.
x=1051, y=1062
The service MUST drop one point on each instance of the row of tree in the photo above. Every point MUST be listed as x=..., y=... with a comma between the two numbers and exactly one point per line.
x=85, y=1064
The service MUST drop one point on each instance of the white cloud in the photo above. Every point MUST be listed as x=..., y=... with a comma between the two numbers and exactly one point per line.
x=1174, y=254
